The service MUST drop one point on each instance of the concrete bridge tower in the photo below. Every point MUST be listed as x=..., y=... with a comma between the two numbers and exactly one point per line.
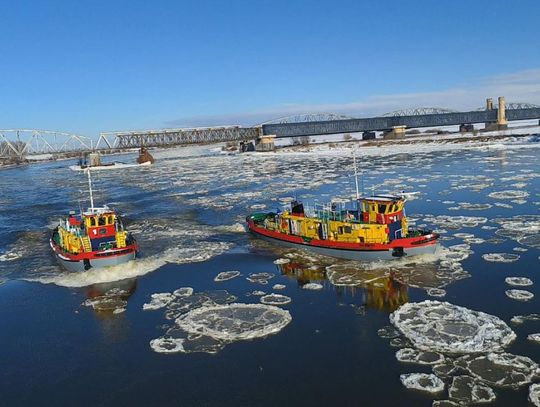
x=502, y=123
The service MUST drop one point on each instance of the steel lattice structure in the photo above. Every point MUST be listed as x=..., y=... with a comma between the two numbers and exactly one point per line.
x=515, y=106
x=18, y=143
x=171, y=137
x=307, y=117
x=417, y=111
x=389, y=122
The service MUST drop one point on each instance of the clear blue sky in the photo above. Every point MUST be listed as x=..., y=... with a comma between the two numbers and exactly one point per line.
x=90, y=66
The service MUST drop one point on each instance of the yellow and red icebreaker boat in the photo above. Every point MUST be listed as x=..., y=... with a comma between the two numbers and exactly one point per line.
x=372, y=228
x=95, y=238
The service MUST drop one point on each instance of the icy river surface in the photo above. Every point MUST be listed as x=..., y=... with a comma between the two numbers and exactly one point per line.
x=210, y=316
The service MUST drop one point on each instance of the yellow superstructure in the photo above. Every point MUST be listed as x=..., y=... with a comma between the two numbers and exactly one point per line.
x=375, y=218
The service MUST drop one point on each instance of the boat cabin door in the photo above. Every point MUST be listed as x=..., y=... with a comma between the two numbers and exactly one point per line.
x=322, y=231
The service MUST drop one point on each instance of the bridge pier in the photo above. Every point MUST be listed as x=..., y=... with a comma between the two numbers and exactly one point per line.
x=466, y=127
x=265, y=142
x=502, y=122
x=368, y=135
x=395, y=133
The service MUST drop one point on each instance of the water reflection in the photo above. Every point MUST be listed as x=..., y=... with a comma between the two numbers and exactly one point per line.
x=377, y=289
x=109, y=302
x=107, y=298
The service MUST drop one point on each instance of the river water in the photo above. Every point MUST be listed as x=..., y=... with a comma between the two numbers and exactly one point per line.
x=89, y=338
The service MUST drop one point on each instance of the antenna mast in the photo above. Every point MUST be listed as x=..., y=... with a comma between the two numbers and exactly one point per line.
x=90, y=189
x=356, y=176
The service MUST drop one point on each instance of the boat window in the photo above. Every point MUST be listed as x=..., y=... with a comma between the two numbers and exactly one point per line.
x=102, y=231
x=382, y=208
x=111, y=220
x=101, y=221
x=93, y=221
x=340, y=230
x=348, y=229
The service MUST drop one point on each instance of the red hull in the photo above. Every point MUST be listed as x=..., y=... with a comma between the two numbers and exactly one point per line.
x=95, y=255
x=405, y=243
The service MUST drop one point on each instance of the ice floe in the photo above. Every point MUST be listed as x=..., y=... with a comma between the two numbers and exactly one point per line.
x=500, y=369
x=183, y=292
x=500, y=257
x=520, y=295
x=410, y=355
x=445, y=403
x=234, y=322
x=10, y=256
x=388, y=332
x=114, y=300
x=226, y=275
x=312, y=286
x=422, y=381
x=158, y=301
x=261, y=278
x=448, y=328
x=518, y=281
x=520, y=319
x=509, y=194
x=534, y=394
x=167, y=345
x=436, y=292
x=275, y=299
x=469, y=390
x=279, y=287
x=534, y=337
x=207, y=321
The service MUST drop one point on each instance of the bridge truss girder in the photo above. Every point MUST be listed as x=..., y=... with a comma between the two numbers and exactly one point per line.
x=18, y=143
x=389, y=122
x=171, y=137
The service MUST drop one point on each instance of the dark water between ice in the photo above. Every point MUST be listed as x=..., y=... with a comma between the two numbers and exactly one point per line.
x=187, y=212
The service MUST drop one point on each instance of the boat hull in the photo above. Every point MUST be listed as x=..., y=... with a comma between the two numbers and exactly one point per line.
x=80, y=263
x=408, y=247
x=113, y=166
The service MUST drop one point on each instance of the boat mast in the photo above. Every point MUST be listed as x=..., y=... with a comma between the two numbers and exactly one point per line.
x=356, y=176
x=90, y=189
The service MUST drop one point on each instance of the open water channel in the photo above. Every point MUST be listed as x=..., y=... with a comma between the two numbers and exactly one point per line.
x=169, y=329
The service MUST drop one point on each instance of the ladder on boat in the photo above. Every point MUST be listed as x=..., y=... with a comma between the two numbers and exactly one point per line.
x=86, y=244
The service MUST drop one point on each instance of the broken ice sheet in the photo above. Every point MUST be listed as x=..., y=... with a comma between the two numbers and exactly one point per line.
x=388, y=332
x=410, y=355
x=447, y=328
x=500, y=369
x=158, y=301
x=261, y=278
x=534, y=394
x=469, y=390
